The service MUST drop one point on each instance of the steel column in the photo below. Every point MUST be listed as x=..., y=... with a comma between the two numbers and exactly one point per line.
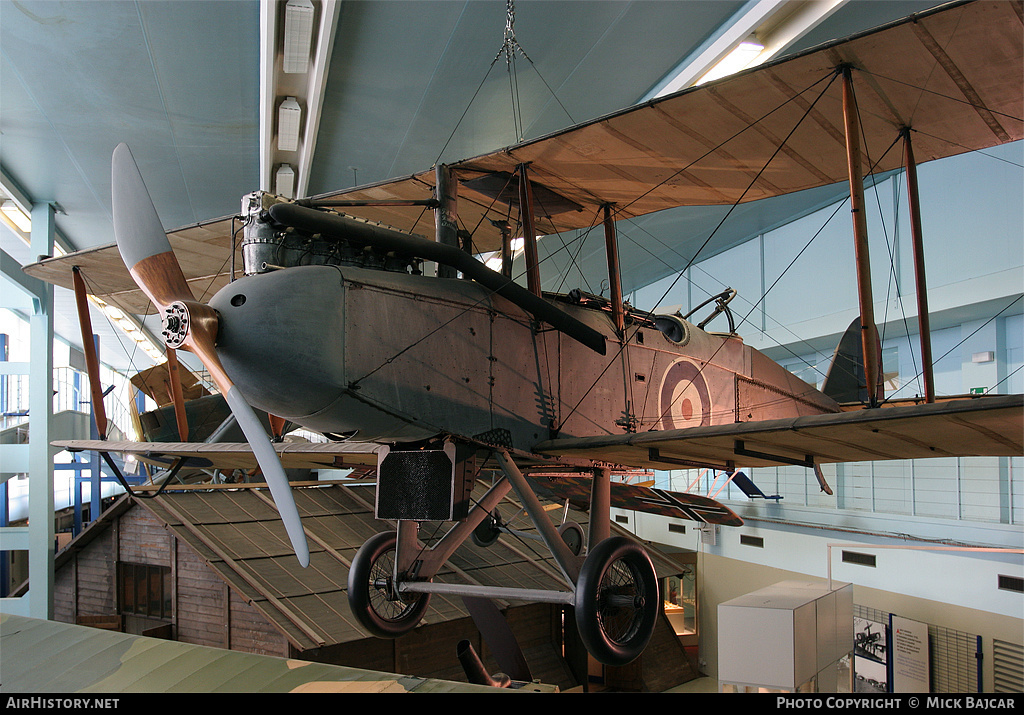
x=40, y=497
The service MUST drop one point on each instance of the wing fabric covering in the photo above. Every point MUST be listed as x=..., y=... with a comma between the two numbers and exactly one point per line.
x=951, y=75
x=989, y=426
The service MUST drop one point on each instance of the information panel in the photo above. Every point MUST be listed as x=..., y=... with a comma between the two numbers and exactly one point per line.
x=910, y=657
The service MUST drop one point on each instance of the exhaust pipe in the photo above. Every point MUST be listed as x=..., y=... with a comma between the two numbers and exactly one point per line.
x=386, y=239
x=475, y=670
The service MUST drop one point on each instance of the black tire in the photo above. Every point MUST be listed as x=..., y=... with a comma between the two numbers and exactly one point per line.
x=371, y=595
x=573, y=536
x=617, y=601
x=487, y=532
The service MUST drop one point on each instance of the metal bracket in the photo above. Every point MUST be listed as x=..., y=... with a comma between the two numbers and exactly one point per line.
x=171, y=473
x=807, y=461
x=654, y=455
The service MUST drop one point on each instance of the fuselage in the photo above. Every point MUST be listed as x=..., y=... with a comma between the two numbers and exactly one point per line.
x=394, y=357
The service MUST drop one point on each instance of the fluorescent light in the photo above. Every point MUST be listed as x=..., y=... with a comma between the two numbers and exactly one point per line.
x=298, y=36
x=284, y=181
x=289, y=115
x=16, y=216
x=741, y=57
x=112, y=311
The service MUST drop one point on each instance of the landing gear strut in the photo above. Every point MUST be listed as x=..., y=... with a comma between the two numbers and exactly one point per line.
x=613, y=589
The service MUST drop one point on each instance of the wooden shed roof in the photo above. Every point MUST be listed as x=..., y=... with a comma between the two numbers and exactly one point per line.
x=239, y=534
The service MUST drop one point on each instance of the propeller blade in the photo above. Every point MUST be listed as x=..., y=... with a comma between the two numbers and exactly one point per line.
x=200, y=341
x=147, y=253
x=273, y=471
x=141, y=239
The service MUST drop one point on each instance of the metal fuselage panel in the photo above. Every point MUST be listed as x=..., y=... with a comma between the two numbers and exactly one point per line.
x=395, y=357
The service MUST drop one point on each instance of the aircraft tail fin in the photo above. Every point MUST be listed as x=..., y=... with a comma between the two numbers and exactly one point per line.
x=845, y=381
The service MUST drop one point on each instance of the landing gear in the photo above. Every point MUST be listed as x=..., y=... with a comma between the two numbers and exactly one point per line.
x=372, y=590
x=616, y=601
x=487, y=533
x=613, y=589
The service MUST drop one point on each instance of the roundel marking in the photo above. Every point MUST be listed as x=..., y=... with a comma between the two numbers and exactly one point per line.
x=684, y=399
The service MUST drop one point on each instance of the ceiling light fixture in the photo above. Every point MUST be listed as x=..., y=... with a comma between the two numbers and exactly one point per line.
x=284, y=181
x=289, y=116
x=742, y=56
x=130, y=327
x=298, y=36
x=16, y=216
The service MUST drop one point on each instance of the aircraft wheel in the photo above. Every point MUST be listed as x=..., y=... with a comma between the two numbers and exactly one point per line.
x=375, y=603
x=572, y=535
x=487, y=532
x=616, y=601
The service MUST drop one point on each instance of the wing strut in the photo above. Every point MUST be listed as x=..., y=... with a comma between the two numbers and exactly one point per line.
x=611, y=247
x=529, y=231
x=92, y=363
x=446, y=215
x=177, y=398
x=919, y=274
x=869, y=333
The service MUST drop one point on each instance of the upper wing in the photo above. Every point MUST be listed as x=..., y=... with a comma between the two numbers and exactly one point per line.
x=951, y=75
x=238, y=455
x=985, y=426
x=203, y=250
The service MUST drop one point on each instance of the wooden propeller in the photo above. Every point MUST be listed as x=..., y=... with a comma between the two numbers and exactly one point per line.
x=187, y=323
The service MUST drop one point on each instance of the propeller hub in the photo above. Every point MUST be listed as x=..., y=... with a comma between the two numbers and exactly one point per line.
x=176, y=321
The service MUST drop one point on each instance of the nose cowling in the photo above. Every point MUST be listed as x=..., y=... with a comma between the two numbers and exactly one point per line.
x=282, y=339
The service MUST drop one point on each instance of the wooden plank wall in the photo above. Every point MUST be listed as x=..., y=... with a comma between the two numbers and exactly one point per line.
x=200, y=607
x=206, y=611
x=142, y=539
x=251, y=632
x=85, y=585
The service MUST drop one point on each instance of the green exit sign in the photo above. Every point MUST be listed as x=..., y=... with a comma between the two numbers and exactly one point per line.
x=978, y=390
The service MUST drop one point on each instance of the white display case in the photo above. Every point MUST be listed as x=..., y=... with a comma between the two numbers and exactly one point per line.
x=794, y=636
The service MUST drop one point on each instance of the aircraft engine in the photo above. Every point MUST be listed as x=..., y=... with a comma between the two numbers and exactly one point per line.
x=269, y=247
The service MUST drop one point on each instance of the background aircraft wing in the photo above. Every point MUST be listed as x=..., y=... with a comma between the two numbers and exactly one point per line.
x=951, y=75
x=985, y=426
x=576, y=490
x=238, y=455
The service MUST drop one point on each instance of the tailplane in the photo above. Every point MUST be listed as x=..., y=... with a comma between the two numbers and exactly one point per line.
x=845, y=381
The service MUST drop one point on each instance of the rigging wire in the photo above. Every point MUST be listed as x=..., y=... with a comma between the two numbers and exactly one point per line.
x=785, y=270
x=831, y=78
x=964, y=340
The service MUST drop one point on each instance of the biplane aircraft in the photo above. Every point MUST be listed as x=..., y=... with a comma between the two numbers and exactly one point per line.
x=334, y=326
